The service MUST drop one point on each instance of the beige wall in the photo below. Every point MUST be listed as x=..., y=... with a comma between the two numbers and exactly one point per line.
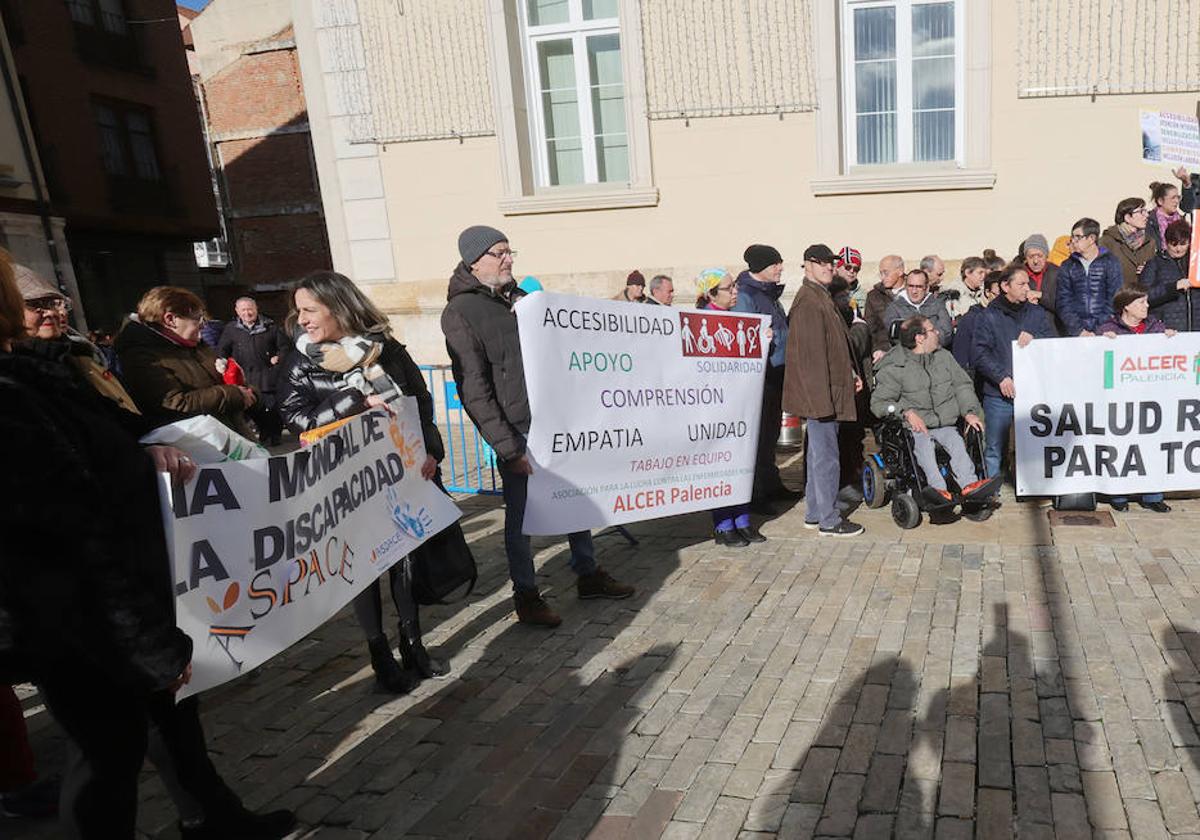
x=726, y=182
x=222, y=31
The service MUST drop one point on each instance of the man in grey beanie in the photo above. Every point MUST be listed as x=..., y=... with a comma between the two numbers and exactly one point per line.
x=1042, y=276
x=485, y=355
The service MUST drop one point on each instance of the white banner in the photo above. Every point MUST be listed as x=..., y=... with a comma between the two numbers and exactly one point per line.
x=639, y=411
x=264, y=551
x=1115, y=416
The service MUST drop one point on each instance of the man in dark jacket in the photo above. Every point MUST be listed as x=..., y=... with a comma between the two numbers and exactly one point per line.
x=1008, y=318
x=964, y=332
x=257, y=344
x=820, y=383
x=1087, y=281
x=759, y=290
x=485, y=354
x=1043, y=282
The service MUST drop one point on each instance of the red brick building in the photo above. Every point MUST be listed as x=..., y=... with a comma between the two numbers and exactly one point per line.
x=115, y=121
x=258, y=127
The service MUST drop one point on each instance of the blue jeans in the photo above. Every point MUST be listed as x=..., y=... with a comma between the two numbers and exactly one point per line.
x=516, y=544
x=822, y=464
x=997, y=421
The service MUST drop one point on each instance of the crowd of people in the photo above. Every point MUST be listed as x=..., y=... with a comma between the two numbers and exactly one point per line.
x=86, y=596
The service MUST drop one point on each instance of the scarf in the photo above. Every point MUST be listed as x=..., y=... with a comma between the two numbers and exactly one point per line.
x=356, y=358
x=1133, y=237
x=1163, y=220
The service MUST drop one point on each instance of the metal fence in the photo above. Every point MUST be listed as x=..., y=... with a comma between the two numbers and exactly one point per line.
x=470, y=464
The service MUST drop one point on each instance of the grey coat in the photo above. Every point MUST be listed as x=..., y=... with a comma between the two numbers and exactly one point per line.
x=932, y=307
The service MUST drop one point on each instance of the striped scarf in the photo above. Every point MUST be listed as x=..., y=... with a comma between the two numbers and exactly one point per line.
x=356, y=359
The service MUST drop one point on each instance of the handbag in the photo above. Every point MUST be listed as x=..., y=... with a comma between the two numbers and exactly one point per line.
x=442, y=564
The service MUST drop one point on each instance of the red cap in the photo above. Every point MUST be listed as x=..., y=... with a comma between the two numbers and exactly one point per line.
x=850, y=256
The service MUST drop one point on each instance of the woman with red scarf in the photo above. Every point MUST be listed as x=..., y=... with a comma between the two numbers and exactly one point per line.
x=170, y=373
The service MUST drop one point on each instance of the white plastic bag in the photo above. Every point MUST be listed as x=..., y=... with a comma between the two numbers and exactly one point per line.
x=206, y=440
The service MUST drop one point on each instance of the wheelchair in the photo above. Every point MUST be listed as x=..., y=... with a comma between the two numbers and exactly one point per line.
x=893, y=473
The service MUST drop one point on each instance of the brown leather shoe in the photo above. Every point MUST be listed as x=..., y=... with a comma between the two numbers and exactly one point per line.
x=533, y=610
x=600, y=584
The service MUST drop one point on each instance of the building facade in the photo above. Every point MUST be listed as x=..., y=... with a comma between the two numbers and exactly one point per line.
x=257, y=124
x=666, y=135
x=29, y=229
x=114, y=120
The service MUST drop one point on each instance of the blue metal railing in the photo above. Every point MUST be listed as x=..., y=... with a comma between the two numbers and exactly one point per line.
x=470, y=464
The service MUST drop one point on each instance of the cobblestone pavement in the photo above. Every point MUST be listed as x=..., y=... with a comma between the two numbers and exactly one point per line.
x=993, y=680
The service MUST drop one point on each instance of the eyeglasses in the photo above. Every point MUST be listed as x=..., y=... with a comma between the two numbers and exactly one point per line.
x=730, y=288
x=1141, y=211
x=917, y=286
x=853, y=268
x=500, y=255
x=48, y=304
x=1075, y=237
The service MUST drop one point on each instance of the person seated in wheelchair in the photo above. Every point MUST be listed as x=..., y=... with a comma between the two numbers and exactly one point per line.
x=922, y=385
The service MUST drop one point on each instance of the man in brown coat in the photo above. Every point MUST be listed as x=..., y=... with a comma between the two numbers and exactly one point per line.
x=891, y=277
x=819, y=385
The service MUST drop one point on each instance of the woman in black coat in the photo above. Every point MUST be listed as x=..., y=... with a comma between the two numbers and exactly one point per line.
x=346, y=362
x=86, y=593
x=1166, y=279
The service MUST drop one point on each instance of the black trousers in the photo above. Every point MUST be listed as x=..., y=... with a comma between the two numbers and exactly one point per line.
x=766, y=471
x=107, y=727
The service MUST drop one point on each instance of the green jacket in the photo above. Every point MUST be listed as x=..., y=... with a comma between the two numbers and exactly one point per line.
x=932, y=384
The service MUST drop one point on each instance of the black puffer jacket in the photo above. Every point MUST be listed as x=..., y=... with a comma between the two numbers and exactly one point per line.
x=253, y=351
x=1167, y=303
x=84, y=573
x=485, y=353
x=310, y=396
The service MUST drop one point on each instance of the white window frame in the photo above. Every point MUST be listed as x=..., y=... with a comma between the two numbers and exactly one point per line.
x=904, y=90
x=520, y=191
x=577, y=31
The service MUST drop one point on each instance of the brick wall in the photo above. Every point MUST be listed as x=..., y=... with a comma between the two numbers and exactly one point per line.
x=259, y=124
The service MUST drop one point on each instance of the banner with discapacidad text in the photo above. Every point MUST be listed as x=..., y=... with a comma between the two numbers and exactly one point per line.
x=638, y=411
x=264, y=551
x=1108, y=415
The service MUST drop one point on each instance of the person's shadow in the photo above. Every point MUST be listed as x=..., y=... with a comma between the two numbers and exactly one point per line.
x=899, y=750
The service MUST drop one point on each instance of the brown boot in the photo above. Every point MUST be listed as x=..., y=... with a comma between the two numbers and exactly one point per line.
x=533, y=610
x=600, y=584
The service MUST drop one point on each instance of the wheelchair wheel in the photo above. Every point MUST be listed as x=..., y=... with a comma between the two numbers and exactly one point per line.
x=874, y=484
x=905, y=511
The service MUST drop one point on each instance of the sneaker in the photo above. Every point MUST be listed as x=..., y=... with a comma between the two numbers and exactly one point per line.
x=845, y=528
x=978, y=514
x=1119, y=507
x=600, y=584
x=533, y=610
x=812, y=526
x=1157, y=507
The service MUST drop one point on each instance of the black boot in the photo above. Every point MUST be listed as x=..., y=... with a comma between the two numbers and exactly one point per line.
x=389, y=676
x=413, y=653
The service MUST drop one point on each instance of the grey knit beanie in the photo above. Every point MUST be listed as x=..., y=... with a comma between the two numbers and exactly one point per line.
x=476, y=239
x=1036, y=242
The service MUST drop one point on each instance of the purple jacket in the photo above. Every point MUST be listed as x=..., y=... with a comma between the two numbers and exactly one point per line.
x=1115, y=324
